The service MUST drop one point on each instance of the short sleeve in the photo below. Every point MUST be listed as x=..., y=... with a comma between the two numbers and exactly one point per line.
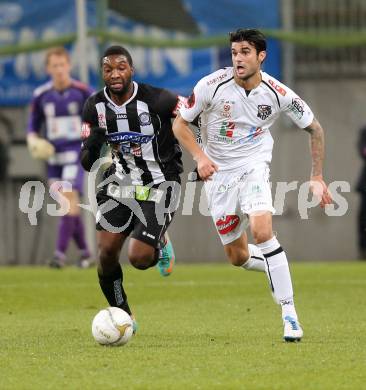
x=89, y=118
x=297, y=109
x=89, y=91
x=166, y=103
x=196, y=103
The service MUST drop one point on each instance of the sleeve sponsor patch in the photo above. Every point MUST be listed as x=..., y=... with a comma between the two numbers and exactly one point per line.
x=277, y=87
x=85, y=130
x=191, y=100
x=297, y=107
x=182, y=102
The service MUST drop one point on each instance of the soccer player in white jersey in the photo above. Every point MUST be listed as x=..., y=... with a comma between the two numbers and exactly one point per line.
x=237, y=106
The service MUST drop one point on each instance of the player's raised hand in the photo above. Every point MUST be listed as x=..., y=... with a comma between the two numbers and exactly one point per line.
x=320, y=190
x=205, y=167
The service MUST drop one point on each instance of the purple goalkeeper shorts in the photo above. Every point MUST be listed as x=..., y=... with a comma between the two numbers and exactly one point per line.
x=65, y=165
x=72, y=173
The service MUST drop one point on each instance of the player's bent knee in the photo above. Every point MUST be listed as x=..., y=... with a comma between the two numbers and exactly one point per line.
x=261, y=236
x=108, y=254
x=141, y=261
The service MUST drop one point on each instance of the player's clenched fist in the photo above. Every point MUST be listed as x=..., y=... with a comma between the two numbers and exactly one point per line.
x=205, y=167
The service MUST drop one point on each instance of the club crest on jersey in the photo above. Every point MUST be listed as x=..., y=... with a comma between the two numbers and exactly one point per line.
x=145, y=119
x=73, y=108
x=49, y=109
x=102, y=122
x=264, y=111
x=227, y=224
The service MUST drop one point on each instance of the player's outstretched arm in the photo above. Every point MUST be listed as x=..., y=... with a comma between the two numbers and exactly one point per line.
x=317, y=184
x=205, y=167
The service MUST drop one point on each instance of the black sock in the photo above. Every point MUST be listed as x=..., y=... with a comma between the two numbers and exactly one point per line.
x=112, y=288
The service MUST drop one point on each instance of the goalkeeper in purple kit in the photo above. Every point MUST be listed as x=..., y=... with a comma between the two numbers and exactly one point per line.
x=53, y=135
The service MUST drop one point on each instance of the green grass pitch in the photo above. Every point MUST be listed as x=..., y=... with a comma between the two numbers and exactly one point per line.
x=204, y=327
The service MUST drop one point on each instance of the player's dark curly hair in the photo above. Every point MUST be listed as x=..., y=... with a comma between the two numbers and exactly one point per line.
x=251, y=35
x=116, y=49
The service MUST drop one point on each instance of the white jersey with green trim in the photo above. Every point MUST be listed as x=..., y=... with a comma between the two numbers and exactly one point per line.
x=235, y=125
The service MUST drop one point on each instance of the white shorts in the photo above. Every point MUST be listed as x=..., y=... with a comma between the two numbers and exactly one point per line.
x=232, y=196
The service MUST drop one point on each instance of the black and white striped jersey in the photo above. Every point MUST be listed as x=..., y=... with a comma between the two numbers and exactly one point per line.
x=148, y=111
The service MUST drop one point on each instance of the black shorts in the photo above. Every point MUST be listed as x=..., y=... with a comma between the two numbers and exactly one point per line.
x=146, y=220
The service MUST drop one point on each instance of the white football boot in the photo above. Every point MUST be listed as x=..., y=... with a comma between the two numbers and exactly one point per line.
x=292, y=329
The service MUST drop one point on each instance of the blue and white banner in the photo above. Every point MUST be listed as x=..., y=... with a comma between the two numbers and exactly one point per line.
x=23, y=21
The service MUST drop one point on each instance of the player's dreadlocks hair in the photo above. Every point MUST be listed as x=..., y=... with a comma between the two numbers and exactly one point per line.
x=251, y=35
x=112, y=50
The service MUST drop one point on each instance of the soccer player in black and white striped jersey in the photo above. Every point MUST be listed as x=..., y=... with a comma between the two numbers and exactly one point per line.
x=149, y=158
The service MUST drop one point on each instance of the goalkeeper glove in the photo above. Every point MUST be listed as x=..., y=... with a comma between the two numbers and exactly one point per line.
x=40, y=148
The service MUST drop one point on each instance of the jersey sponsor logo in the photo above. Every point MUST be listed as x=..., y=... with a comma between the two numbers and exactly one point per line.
x=217, y=79
x=227, y=224
x=136, y=150
x=264, y=111
x=254, y=134
x=145, y=119
x=85, y=130
x=128, y=148
x=227, y=129
x=277, y=87
x=121, y=116
x=297, y=107
x=191, y=100
x=129, y=136
x=129, y=142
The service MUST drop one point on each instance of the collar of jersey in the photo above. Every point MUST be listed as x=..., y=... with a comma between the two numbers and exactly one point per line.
x=135, y=87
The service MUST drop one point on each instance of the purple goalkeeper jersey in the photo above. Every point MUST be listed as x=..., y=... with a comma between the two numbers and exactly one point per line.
x=56, y=115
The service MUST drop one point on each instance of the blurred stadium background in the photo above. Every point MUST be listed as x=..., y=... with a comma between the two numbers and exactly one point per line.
x=317, y=47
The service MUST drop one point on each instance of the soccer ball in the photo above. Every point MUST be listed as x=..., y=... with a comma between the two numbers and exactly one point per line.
x=112, y=326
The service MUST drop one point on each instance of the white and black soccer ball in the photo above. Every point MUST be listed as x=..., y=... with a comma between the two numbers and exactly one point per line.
x=112, y=326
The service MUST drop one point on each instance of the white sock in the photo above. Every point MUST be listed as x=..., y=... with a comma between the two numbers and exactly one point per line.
x=256, y=261
x=278, y=273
